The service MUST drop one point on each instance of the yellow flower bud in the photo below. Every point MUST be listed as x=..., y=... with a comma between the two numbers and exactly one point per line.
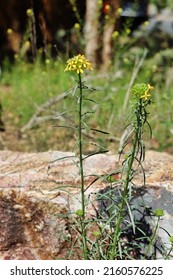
x=142, y=91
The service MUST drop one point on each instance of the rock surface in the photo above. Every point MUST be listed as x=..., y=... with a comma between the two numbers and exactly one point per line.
x=37, y=190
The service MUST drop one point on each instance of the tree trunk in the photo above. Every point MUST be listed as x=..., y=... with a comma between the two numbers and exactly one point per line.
x=92, y=30
x=111, y=23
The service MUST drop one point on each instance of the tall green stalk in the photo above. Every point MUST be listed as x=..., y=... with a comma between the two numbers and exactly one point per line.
x=140, y=100
x=79, y=64
x=123, y=202
x=83, y=226
x=158, y=213
x=124, y=194
x=81, y=146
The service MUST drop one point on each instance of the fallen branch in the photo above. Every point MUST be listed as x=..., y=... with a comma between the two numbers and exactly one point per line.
x=35, y=119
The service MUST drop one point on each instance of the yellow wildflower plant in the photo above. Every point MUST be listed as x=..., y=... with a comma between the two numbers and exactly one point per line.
x=78, y=63
x=142, y=91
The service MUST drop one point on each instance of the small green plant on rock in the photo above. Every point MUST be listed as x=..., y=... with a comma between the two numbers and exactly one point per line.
x=140, y=100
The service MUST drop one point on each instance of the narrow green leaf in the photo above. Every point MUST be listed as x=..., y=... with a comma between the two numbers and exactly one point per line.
x=88, y=99
x=100, y=131
x=131, y=216
x=96, y=153
x=66, y=157
x=72, y=127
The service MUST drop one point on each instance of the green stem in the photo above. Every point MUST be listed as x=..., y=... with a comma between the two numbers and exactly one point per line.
x=168, y=253
x=114, y=248
x=83, y=227
x=153, y=237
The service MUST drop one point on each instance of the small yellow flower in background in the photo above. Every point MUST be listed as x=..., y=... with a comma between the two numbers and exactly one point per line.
x=128, y=31
x=146, y=23
x=119, y=11
x=107, y=17
x=126, y=60
x=47, y=61
x=154, y=68
x=27, y=44
x=100, y=3
x=107, y=7
x=9, y=31
x=115, y=34
x=78, y=63
x=74, y=9
x=142, y=91
x=29, y=12
x=77, y=26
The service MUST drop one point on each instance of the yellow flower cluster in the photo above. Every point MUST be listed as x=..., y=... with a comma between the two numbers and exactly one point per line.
x=78, y=63
x=142, y=91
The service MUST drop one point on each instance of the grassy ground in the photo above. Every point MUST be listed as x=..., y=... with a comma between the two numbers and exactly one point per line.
x=25, y=87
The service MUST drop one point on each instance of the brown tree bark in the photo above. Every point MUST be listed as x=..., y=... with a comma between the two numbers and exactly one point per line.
x=97, y=36
x=92, y=30
x=111, y=23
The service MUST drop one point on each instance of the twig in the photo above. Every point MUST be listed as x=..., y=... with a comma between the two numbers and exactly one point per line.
x=35, y=118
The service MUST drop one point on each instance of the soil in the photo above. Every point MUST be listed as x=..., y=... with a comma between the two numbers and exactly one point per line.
x=40, y=139
x=47, y=137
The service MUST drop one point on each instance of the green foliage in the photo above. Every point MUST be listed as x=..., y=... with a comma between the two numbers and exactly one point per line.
x=29, y=85
x=114, y=233
x=162, y=4
x=101, y=103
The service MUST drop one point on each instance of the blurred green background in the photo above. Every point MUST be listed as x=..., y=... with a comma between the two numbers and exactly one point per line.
x=29, y=80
